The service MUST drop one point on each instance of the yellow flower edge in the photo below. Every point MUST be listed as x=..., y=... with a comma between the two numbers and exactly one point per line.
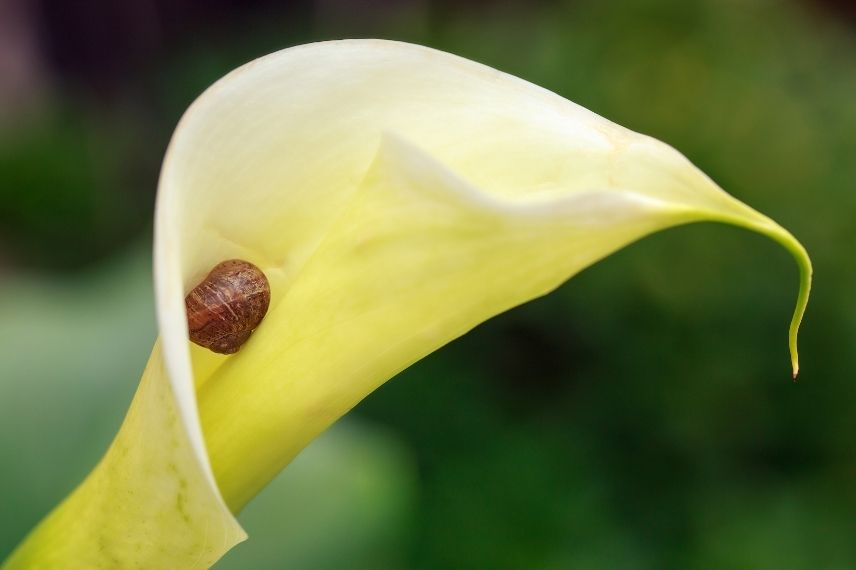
x=396, y=197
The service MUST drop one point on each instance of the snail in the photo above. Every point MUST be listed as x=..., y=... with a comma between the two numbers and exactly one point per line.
x=225, y=308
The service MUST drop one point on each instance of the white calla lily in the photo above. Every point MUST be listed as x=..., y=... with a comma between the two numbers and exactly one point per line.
x=395, y=197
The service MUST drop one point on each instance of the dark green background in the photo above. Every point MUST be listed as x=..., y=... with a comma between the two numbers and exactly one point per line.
x=640, y=417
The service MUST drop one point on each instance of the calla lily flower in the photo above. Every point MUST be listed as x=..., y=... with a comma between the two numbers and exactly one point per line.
x=395, y=197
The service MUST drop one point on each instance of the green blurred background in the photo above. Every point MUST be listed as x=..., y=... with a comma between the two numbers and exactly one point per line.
x=640, y=417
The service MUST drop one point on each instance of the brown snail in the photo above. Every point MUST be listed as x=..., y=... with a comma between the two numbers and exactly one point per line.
x=225, y=308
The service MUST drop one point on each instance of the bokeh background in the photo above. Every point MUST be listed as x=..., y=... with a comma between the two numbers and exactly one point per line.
x=642, y=416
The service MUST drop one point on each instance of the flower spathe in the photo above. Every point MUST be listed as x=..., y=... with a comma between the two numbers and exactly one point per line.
x=395, y=196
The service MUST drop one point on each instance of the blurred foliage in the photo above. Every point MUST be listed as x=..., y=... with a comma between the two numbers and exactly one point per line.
x=640, y=417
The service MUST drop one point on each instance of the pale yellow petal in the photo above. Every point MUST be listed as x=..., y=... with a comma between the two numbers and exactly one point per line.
x=396, y=197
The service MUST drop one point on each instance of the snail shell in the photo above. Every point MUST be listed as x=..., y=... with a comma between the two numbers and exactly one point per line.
x=225, y=308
